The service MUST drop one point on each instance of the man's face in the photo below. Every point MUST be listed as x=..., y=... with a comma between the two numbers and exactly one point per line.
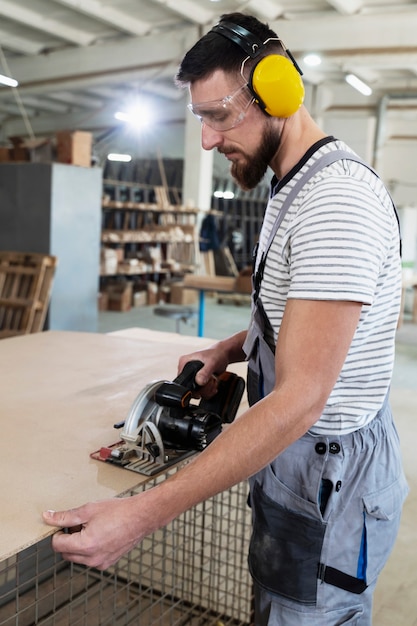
x=251, y=168
x=234, y=124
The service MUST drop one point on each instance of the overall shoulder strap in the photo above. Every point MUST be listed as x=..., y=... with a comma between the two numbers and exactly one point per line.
x=321, y=163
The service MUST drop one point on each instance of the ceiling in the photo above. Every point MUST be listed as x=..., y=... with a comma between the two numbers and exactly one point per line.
x=79, y=61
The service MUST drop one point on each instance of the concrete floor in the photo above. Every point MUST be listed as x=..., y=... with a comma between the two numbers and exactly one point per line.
x=396, y=594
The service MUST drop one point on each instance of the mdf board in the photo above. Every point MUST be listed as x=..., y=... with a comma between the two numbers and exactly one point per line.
x=56, y=209
x=61, y=394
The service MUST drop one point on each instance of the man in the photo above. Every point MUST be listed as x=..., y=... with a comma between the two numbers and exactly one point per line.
x=318, y=442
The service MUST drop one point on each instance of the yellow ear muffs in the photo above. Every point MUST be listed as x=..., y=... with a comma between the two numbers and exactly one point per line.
x=278, y=84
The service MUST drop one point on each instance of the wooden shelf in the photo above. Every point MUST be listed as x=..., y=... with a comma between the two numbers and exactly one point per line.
x=136, y=227
x=145, y=235
x=151, y=207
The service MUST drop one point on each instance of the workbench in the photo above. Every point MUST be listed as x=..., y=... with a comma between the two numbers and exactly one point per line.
x=218, y=284
x=61, y=393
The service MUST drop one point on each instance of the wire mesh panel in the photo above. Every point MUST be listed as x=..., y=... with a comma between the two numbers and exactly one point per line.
x=193, y=572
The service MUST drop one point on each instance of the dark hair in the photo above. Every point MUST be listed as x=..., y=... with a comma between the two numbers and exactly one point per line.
x=214, y=51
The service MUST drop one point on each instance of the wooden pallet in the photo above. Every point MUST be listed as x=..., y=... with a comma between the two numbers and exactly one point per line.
x=25, y=289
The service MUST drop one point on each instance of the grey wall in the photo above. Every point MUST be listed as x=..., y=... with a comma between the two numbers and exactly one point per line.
x=56, y=209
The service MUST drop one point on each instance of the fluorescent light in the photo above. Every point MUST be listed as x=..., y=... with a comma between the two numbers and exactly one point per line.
x=312, y=60
x=6, y=80
x=227, y=195
x=125, y=158
x=358, y=84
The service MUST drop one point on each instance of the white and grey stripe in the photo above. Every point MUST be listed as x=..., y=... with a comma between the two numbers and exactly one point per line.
x=339, y=241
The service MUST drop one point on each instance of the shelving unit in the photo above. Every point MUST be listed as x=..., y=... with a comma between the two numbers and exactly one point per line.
x=240, y=220
x=149, y=228
x=150, y=240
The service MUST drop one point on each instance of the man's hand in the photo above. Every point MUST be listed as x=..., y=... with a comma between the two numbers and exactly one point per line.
x=97, y=534
x=216, y=359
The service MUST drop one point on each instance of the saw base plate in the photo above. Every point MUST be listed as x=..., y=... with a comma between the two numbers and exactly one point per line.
x=140, y=464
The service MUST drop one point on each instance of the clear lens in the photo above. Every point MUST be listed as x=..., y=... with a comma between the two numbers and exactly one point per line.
x=226, y=113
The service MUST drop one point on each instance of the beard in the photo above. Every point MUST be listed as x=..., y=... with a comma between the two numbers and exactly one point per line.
x=250, y=173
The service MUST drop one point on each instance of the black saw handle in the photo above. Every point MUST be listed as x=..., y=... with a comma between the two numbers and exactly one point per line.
x=186, y=378
x=179, y=393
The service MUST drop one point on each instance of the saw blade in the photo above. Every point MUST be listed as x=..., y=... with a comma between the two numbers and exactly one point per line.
x=143, y=409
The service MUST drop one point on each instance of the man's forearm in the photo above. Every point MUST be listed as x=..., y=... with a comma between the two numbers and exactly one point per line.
x=245, y=446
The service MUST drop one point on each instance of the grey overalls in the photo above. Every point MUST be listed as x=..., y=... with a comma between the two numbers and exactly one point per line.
x=326, y=511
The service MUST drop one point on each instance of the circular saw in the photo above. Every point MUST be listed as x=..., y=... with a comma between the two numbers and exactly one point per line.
x=165, y=422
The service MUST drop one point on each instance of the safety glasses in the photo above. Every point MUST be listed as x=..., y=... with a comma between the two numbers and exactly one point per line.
x=226, y=113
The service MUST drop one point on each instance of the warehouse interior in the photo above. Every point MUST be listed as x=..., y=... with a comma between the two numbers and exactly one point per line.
x=117, y=227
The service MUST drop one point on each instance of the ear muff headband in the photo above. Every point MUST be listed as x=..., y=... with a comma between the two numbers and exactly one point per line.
x=249, y=43
x=275, y=81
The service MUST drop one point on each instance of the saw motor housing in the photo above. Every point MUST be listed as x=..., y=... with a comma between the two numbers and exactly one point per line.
x=166, y=423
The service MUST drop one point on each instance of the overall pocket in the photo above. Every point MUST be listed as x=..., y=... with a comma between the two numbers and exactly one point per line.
x=285, y=549
x=349, y=616
x=382, y=515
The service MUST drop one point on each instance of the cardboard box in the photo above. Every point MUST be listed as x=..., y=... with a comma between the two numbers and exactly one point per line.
x=108, y=261
x=74, y=147
x=164, y=293
x=5, y=155
x=243, y=282
x=38, y=150
x=140, y=298
x=182, y=295
x=120, y=296
x=152, y=289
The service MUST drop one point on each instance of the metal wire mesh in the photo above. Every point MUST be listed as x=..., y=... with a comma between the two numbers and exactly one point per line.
x=193, y=572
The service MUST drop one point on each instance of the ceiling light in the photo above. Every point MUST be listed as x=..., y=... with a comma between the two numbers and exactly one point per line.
x=312, y=60
x=124, y=158
x=6, y=80
x=138, y=116
x=358, y=84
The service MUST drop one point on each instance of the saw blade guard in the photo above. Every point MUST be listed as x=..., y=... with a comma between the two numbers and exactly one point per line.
x=143, y=409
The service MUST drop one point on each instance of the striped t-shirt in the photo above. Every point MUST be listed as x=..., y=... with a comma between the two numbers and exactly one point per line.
x=339, y=241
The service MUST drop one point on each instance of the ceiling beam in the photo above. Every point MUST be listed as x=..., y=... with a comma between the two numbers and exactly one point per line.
x=189, y=9
x=34, y=19
x=138, y=75
x=265, y=9
x=13, y=109
x=116, y=60
x=43, y=105
x=80, y=100
x=19, y=44
x=109, y=15
x=349, y=32
x=346, y=7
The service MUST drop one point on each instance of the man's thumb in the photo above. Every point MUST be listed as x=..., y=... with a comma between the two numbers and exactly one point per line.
x=63, y=519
